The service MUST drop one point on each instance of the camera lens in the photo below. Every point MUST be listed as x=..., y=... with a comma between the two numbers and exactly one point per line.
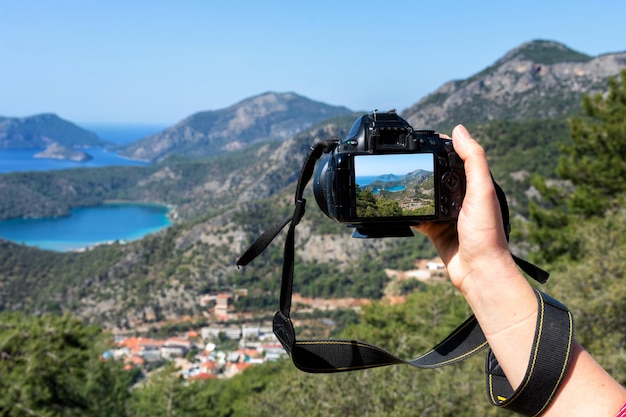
x=322, y=186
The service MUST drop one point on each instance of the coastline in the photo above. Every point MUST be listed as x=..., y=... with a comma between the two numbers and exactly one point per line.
x=172, y=213
x=24, y=160
x=87, y=227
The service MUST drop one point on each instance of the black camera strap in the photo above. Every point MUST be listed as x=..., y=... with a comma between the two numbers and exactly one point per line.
x=550, y=352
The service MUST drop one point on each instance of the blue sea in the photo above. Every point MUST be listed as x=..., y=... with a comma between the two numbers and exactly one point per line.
x=14, y=160
x=121, y=134
x=393, y=189
x=86, y=226
x=364, y=180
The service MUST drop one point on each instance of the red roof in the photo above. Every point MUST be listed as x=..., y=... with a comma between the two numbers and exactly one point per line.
x=201, y=376
x=132, y=342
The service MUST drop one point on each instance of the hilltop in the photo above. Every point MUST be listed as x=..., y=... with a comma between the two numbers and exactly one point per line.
x=41, y=130
x=268, y=116
x=537, y=80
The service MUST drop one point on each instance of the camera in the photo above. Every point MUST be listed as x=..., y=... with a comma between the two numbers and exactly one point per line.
x=385, y=176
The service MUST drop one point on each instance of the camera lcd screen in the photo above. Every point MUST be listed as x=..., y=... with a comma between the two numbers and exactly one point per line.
x=394, y=185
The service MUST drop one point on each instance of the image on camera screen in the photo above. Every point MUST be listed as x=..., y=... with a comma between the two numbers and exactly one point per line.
x=394, y=185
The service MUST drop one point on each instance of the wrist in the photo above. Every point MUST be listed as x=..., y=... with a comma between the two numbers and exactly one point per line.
x=506, y=308
x=499, y=295
x=475, y=275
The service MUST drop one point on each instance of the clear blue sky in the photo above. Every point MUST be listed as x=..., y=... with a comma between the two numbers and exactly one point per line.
x=397, y=164
x=136, y=61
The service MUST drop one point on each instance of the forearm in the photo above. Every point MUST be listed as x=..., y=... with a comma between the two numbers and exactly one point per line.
x=506, y=308
x=588, y=390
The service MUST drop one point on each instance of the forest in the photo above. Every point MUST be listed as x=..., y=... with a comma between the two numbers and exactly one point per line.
x=52, y=365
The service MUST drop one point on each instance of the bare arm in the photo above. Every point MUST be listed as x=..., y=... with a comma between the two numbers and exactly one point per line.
x=480, y=265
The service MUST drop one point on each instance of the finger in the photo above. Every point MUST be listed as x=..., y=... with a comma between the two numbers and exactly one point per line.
x=480, y=202
x=470, y=151
x=443, y=235
x=477, y=171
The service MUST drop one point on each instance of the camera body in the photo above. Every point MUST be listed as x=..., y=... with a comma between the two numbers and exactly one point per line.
x=385, y=176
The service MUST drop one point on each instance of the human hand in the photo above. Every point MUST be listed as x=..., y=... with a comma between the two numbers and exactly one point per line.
x=470, y=246
x=480, y=265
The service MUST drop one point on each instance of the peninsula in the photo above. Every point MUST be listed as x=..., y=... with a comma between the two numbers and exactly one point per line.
x=58, y=151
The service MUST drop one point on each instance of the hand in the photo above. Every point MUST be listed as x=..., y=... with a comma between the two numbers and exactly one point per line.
x=480, y=265
x=470, y=246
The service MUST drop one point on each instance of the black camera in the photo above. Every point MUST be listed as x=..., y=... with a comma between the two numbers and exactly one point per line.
x=385, y=176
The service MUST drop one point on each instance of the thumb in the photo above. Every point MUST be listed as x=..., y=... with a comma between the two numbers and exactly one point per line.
x=477, y=172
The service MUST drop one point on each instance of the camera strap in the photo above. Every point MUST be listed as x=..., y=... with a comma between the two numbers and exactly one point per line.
x=550, y=352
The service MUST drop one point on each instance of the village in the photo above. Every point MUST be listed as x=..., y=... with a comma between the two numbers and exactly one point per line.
x=199, y=354
x=223, y=349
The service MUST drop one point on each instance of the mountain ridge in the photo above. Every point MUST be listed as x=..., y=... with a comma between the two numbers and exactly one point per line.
x=40, y=130
x=266, y=116
x=537, y=80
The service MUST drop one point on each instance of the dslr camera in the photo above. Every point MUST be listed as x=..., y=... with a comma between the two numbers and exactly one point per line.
x=385, y=176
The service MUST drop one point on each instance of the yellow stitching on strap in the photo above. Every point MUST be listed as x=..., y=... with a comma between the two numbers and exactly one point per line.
x=535, y=351
x=565, y=363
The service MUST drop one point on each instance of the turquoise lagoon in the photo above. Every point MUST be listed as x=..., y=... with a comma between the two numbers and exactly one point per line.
x=87, y=226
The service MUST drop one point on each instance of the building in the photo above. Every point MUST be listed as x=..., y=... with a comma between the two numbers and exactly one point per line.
x=223, y=302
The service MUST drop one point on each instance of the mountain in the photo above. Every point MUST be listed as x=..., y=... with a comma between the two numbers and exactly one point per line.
x=268, y=116
x=537, y=80
x=41, y=130
x=388, y=177
x=418, y=174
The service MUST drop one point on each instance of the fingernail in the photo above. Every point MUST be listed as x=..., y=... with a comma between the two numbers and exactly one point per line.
x=461, y=132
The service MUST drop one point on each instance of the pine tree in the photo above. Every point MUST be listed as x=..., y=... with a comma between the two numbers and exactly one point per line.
x=52, y=366
x=596, y=161
x=591, y=172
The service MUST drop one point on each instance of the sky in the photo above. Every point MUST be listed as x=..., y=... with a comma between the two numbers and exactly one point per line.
x=157, y=62
x=398, y=164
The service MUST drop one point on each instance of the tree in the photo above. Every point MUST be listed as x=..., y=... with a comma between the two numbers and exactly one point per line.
x=579, y=225
x=161, y=394
x=49, y=366
x=591, y=172
x=595, y=162
x=107, y=388
x=594, y=290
